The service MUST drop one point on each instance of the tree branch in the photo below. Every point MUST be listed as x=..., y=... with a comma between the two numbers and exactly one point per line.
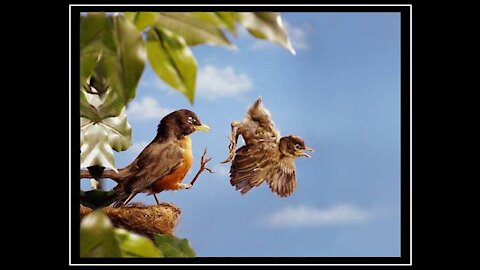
x=105, y=174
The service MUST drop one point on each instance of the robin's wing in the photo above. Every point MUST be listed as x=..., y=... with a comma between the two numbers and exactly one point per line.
x=251, y=165
x=282, y=178
x=155, y=161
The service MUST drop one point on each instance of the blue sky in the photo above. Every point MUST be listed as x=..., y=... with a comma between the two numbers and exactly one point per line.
x=341, y=93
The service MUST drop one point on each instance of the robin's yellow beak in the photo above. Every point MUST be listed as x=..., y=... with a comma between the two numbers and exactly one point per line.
x=202, y=127
x=303, y=154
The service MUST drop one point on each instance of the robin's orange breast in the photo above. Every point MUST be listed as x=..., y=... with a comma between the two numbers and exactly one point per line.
x=171, y=181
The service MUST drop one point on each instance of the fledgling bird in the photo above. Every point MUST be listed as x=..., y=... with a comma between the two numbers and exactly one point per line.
x=265, y=156
x=163, y=163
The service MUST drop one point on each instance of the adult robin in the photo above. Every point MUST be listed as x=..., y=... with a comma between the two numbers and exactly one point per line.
x=265, y=156
x=163, y=163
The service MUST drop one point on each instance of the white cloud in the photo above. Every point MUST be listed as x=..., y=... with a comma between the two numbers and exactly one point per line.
x=137, y=147
x=305, y=216
x=213, y=82
x=298, y=36
x=146, y=108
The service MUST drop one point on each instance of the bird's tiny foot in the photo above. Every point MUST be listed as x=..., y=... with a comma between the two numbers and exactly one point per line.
x=232, y=142
x=231, y=150
x=185, y=186
x=156, y=199
x=204, y=161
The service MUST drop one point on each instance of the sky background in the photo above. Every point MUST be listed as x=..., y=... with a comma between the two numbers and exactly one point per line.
x=341, y=93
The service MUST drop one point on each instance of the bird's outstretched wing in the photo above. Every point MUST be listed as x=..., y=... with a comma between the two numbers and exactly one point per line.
x=251, y=165
x=154, y=162
x=282, y=177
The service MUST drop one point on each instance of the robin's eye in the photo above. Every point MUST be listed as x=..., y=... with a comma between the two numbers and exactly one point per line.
x=297, y=147
x=191, y=120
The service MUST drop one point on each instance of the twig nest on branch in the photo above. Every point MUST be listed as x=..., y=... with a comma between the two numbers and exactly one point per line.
x=142, y=219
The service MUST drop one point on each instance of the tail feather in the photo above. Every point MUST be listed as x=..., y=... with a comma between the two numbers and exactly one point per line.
x=243, y=185
x=246, y=189
x=122, y=195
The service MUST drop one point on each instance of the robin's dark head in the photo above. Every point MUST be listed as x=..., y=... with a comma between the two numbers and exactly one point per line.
x=181, y=123
x=293, y=146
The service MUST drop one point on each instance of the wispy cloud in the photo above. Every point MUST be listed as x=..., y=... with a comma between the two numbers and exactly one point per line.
x=146, y=108
x=298, y=36
x=306, y=216
x=214, y=82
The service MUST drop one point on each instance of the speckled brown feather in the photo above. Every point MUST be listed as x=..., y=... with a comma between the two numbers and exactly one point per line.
x=260, y=158
x=258, y=127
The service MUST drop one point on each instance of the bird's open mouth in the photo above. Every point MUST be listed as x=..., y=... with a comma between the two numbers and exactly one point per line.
x=202, y=127
x=302, y=153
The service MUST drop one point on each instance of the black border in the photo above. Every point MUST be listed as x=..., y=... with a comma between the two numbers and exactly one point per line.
x=405, y=139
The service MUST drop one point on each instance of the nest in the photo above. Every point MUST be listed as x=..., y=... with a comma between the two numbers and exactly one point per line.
x=142, y=219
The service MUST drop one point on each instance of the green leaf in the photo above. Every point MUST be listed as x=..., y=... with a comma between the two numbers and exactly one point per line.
x=92, y=29
x=97, y=237
x=86, y=109
x=122, y=67
x=193, y=30
x=142, y=20
x=130, y=16
x=266, y=25
x=112, y=49
x=228, y=19
x=218, y=19
x=98, y=139
x=97, y=198
x=208, y=17
x=172, y=60
x=134, y=245
x=172, y=246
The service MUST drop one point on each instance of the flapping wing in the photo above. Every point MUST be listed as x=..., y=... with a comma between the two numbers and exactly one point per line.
x=282, y=177
x=251, y=165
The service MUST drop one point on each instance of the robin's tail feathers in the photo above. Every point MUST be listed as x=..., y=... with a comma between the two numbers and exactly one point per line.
x=122, y=195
